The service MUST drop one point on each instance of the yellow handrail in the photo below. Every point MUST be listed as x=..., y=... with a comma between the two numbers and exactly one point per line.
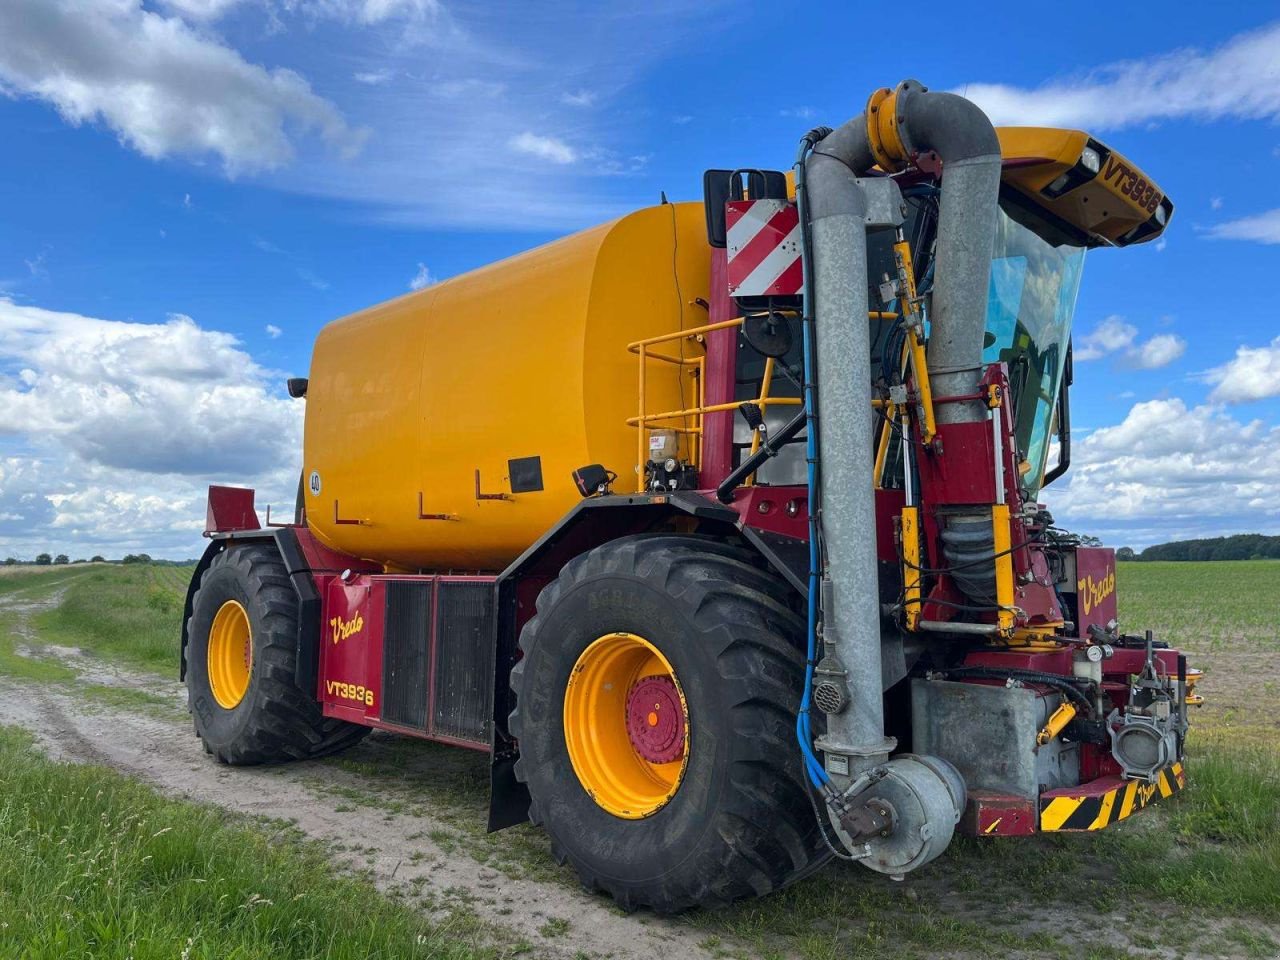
x=643, y=420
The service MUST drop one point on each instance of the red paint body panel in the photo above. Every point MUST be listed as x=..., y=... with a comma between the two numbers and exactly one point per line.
x=889, y=505
x=1096, y=761
x=1093, y=788
x=349, y=682
x=1095, y=587
x=721, y=362
x=230, y=510
x=765, y=508
x=1129, y=660
x=1055, y=661
x=320, y=559
x=997, y=815
x=963, y=474
x=353, y=662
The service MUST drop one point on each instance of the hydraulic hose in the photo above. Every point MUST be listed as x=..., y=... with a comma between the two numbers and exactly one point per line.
x=804, y=734
x=769, y=449
x=1054, y=680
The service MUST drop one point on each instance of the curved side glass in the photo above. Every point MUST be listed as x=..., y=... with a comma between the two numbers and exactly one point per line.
x=1030, y=305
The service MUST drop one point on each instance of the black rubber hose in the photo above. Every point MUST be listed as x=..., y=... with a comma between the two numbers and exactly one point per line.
x=770, y=448
x=1030, y=676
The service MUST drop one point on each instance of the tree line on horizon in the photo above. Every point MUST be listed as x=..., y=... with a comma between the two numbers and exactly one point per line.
x=1240, y=546
x=50, y=560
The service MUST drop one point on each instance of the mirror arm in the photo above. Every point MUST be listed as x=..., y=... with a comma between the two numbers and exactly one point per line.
x=1064, y=422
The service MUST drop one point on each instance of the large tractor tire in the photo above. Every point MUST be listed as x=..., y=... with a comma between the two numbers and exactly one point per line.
x=241, y=657
x=655, y=709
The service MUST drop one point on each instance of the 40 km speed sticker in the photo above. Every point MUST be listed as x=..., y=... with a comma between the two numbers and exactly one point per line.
x=313, y=483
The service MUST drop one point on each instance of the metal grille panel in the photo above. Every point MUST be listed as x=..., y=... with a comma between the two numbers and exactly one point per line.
x=405, y=644
x=464, y=660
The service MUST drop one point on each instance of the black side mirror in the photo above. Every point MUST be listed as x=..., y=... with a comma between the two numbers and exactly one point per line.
x=297, y=387
x=721, y=186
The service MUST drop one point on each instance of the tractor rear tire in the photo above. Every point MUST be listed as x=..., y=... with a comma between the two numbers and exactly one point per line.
x=247, y=708
x=739, y=822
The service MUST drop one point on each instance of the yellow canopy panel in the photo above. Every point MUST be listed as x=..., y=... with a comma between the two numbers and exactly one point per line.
x=1089, y=189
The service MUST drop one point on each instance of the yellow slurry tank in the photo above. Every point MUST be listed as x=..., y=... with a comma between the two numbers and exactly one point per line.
x=525, y=358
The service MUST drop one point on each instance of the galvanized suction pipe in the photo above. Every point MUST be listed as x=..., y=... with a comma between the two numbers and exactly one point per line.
x=837, y=207
x=959, y=132
x=963, y=137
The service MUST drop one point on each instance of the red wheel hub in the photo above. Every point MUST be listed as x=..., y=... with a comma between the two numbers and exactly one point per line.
x=655, y=719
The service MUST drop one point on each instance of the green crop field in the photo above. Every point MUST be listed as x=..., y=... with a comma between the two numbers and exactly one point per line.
x=1195, y=876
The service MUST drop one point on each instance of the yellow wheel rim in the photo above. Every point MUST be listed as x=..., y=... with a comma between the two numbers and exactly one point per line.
x=230, y=654
x=626, y=725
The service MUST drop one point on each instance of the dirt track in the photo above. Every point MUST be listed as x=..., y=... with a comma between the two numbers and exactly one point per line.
x=409, y=851
x=410, y=815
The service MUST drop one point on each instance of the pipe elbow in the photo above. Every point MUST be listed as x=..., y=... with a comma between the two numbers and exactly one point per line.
x=829, y=183
x=905, y=122
x=954, y=128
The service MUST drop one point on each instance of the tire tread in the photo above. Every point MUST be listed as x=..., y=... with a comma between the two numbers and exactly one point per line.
x=769, y=838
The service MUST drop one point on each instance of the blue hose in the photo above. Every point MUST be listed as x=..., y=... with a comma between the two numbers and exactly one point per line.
x=804, y=734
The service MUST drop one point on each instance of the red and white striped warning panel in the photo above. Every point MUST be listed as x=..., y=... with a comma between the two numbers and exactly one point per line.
x=764, y=248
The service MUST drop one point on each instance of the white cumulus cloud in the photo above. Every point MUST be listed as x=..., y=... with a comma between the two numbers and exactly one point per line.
x=422, y=278
x=1118, y=338
x=272, y=331
x=110, y=431
x=1260, y=228
x=1252, y=374
x=372, y=78
x=163, y=88
x=365, y=12
x=202, y=10
x=1168, y=472
x=544, y=148
x=1237, y=80
x=163, y=397
x=1160, y=351
x=1109, y=336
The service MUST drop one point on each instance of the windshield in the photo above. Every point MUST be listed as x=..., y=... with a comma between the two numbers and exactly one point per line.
x=1029, y=308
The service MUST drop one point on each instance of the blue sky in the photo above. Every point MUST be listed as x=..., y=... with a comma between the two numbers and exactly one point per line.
x=192, y=188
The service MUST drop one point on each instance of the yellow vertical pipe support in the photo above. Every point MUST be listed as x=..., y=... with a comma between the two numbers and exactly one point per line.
x=766, y=380
x=642, y=431
x=699, y=373
x=928, y=429
x=915, y=344
x=911, y=565
x=882, y=447
x=1004, y=567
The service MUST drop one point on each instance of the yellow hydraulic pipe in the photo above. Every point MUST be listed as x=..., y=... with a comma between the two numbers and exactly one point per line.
x=1006, y=616
x=911, y=565
x=713, y=408
x=882, y=447
x=766, y=381
x=915, y=341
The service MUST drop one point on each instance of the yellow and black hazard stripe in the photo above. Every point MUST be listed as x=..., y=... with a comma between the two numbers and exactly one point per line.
x=1062, y=813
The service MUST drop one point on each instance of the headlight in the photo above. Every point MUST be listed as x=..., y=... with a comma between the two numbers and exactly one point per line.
x=1162, y=215
x=1090, y=160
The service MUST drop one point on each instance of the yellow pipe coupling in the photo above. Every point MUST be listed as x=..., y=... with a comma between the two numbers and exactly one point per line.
x=884, y=133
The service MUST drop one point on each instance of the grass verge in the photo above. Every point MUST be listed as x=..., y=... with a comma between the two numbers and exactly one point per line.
x=95, y=865
x=126, y=614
